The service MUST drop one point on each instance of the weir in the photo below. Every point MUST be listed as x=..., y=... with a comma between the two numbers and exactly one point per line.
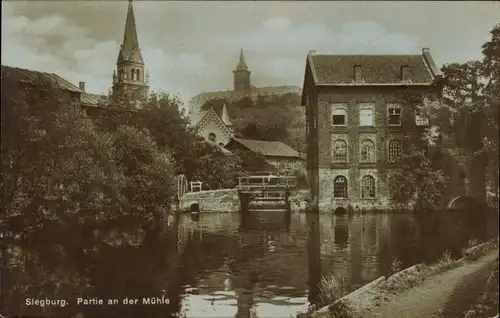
x=265, y=192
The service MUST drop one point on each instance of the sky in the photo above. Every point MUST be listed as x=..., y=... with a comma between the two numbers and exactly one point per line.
x=192, y=47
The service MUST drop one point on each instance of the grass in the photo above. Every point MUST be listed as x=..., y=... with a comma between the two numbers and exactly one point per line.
x=487, y=304
x=333, y=288
x=395, y=265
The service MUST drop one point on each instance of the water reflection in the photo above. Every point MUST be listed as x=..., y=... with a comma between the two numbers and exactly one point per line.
x=266, y=264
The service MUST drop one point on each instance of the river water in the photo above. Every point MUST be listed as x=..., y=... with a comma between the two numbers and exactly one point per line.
x=228, y=265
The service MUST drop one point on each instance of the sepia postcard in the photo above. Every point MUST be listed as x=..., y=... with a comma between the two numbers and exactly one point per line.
x=249, y=159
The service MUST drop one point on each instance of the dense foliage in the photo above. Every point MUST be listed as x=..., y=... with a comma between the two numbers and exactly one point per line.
x=82, y=192
x=170, y=128
x=61, y=167
x=464, y=123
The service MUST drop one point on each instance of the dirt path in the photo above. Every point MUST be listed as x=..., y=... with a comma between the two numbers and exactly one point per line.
x=467, y=292
x=435, y=293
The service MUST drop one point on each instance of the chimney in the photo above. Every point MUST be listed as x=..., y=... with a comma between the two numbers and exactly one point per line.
x=358, y=76
x=404, y=73
x=312, y=52
x=81, y=85
x=425, y=50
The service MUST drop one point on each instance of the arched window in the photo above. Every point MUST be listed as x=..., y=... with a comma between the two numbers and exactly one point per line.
x=120, y=74
x=132, y=74
x=212, y=137
x=367, y=151
x=368, y=187
x=394, y=150
x=340, y=151
x=138, y=75
x=340, y=187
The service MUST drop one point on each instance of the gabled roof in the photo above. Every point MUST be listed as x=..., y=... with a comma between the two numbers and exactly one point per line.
x=268, y=148
x=221, y=112
x=197, y=117
x=376, y=69
x=197, y=120
x=31, y=77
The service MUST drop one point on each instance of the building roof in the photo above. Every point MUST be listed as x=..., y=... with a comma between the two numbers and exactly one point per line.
x=268, y=148
x=278, y=89
x=217, y=94
x=196, y=117
x=90, y=99
x=37, y=78
x=242, y=65
x=268, y=90
x=129, y=50
x=375, y=69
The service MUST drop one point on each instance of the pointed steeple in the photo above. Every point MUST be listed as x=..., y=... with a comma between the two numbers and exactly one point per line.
x=130, y=47
x=242, y=65
x=225, y=116
x=130, y=79
x=242, y=76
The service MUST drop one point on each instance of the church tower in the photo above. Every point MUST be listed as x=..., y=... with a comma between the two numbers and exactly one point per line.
x=242, y=76
x=130, y=80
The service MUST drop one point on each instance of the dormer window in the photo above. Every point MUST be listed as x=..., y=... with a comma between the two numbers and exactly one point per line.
x=358, y=75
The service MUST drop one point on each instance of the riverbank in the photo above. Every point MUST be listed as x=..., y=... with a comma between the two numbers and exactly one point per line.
x=421, y=290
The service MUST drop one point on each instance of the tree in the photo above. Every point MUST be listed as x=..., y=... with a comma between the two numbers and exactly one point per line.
x=472, y=95
x=417, y=183
x=464, y=123
x=170, y=128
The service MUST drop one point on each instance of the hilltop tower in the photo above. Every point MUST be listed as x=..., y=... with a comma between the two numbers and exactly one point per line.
x=130, y=79
x=242, y=76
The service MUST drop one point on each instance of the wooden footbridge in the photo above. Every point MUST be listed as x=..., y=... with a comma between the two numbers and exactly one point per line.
x=265, y=192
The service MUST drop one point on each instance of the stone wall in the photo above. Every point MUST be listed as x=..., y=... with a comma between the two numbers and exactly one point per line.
x=354, y=202
x=378, y=99
x=225, y=200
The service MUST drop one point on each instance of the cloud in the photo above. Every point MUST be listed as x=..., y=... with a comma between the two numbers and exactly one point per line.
x=275, y=52
x=277, y=24
x=57, y=45
x=286, y=44
x=190, y=48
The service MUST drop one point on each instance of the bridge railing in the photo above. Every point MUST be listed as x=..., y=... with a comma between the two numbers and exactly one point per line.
x=266, y=182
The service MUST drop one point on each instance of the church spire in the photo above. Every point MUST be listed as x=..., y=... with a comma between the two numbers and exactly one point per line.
x=242, y=76
x=242, y=65
x=130, y=43
x=131, y=76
